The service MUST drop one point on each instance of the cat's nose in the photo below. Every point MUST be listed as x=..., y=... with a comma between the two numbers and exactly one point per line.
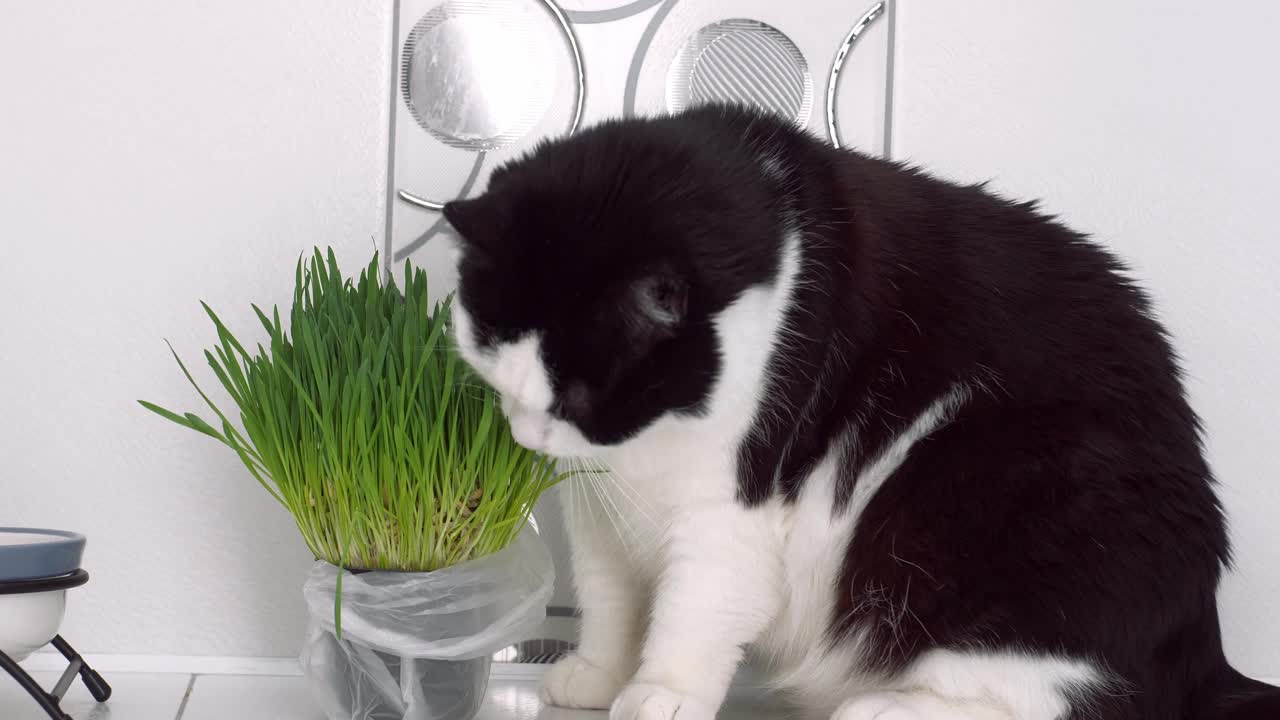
x=530, y=429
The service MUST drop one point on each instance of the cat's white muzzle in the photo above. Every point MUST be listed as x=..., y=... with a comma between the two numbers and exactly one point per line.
x=531, y=429
x=540, y=432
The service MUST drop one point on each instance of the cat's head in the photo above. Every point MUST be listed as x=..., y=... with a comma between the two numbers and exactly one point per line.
x=592, y=270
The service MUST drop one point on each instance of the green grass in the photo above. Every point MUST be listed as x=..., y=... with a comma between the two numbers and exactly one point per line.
x=362, y=420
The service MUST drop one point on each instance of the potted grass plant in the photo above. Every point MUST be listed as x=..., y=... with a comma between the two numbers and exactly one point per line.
x=400, y=471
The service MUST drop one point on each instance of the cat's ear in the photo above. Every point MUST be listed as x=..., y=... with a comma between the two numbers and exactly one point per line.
x=478, y=221
x=656, y=305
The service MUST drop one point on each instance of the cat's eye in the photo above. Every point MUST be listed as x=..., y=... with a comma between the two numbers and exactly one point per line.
x=575, y=401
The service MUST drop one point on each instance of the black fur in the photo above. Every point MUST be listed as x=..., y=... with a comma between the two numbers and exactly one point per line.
x=1067, y=507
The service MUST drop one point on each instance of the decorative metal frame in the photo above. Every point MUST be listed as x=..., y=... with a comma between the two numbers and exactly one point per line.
x=579, y=101
x=565, y=19
x=833, y=129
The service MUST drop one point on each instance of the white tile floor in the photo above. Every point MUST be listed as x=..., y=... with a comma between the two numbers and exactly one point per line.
x=134, y=696
x=173, y=696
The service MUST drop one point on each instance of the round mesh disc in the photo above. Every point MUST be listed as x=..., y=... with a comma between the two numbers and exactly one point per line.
x=743, y=61
x=479, y=75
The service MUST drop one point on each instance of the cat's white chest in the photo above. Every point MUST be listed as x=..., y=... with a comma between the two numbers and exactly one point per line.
x=630, y=520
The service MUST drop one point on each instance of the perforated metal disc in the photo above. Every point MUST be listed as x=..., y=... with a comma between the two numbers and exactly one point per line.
x=478, y=75
x=744, y=61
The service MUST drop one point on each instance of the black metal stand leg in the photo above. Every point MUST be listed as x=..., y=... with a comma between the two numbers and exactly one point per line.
x=47, y=702
x=98, y=687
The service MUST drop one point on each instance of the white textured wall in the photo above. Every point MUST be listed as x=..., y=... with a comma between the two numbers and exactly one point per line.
x=152, y=154
x=1153, y=126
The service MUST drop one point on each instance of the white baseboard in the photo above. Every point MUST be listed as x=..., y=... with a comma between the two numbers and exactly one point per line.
x=182, y=664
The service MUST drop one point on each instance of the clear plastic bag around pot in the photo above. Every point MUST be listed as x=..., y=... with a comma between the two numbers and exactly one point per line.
x=417, y=646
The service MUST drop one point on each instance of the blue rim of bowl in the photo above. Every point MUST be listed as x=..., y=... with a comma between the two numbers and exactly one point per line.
x=56, y=556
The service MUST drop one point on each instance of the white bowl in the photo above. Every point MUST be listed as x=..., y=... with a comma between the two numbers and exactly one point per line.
x=28, y=621
x=37, y=567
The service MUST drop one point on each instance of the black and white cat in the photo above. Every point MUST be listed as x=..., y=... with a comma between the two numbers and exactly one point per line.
x=922, y=449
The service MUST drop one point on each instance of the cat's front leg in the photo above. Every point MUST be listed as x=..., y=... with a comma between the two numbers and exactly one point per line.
x=613, y=602
x=718, y=590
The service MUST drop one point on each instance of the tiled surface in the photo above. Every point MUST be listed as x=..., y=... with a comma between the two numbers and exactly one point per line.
x=134, y=696
x=146, y=696
x=240, y=697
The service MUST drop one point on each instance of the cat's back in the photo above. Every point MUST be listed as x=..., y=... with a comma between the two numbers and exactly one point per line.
x=1002, y=283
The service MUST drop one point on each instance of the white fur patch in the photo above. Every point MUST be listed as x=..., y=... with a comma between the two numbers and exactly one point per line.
x=812, y=544
x=520, y=375
x=938, y=413
x=951, y=685
x=815, y=544
x=517, y=372
x=464, y=338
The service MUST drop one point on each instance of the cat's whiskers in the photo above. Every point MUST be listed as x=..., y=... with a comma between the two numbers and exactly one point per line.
x=621, y=527
x=637, y=500
x=583, y=481
x=627, y=532
x=638, y=539
x=575, y=511
x=630, y=538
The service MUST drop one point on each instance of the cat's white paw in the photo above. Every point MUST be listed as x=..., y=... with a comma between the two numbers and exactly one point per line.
x=574, y=682
x=644, y=701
